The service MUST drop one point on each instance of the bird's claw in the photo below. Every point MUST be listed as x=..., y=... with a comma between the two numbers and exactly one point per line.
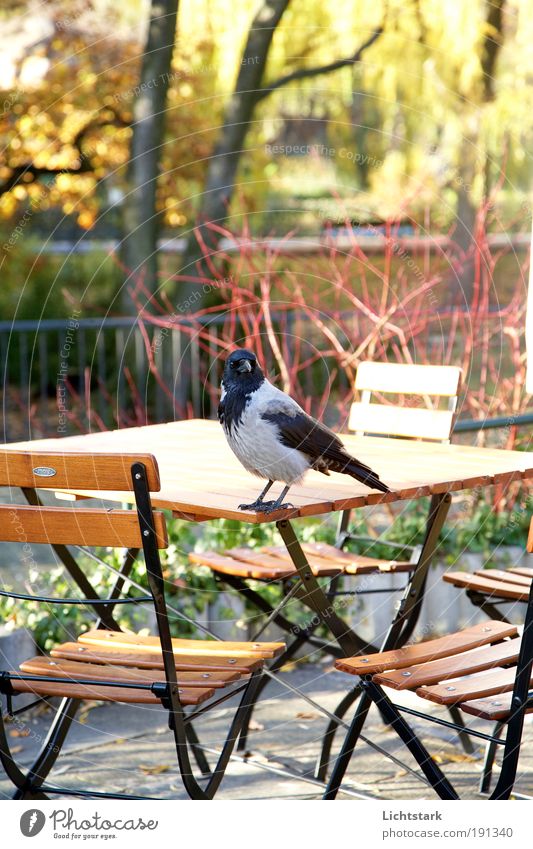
x=272, y=506
x=266, y=506
x=258, y=506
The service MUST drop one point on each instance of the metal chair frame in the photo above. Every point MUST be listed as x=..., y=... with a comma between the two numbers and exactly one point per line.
x=521, y=701
x=32, y=784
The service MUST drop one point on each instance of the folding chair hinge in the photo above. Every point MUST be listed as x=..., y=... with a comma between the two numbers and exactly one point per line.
x=162, y=692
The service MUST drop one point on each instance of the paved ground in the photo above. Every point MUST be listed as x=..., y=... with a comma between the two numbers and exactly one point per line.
x=129, y=749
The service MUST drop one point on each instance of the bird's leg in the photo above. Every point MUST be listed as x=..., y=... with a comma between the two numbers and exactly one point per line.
x=258, y=504
x=270, y=506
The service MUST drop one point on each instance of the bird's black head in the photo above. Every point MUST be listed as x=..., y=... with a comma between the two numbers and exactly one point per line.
x=242, y=369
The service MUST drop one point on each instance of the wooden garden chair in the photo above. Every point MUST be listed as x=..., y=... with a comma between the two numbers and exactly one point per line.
x=412, y=416
x=488, y=589
x=484, y=671
x=187, y=677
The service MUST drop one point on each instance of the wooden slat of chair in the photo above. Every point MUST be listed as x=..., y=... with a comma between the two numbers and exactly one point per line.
x=390, y=420
x=520, y=570
x=187, y=647
x=473, y=687
x=493, y=708
x=123, y=674
x=348, y=560
x=271, y=558
x=415, y=422
x=66, y=470
x=384, y=566
x=408, y=378
x=256, y=558
x=188, y=695
x=76, y=526
x=485, y=586
x=355, y=564
x=453, y=666
x=229, y=566
x=143, y=658
x=504, y=575
x=469, y=638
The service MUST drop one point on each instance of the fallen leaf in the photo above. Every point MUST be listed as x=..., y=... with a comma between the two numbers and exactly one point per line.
x=454, y=759
x=16, y=749
x=154, y=770
x=119, y=741
x=309, y=715
x=86, y=709
x=256, y=756
x=255, y=726
x=20, y=732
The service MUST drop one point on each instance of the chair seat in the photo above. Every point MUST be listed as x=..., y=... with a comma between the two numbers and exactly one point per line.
x=182, y=647
x=465, y=663
x=123, y=674
x=272, y=563
x=102, y=657
x=493, y=583
x=101, y=693
x=143, y=658
x=461, y=641
x=470, y=665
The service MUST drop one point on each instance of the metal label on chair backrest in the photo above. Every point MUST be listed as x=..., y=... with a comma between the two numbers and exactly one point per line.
x=44, y=472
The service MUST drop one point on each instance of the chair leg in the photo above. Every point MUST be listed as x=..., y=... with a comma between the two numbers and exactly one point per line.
x=199, y=755
x=345, y=755
x=53, y=744
x=323, y=760
x=431, y=770
x=490, y=755
x=457, y=717
x=484, y=603
x=283, y=658
x=177, y=722
x=13, y=772
x=28, y=784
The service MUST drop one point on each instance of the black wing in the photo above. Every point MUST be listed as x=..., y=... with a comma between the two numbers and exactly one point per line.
x=322, y=446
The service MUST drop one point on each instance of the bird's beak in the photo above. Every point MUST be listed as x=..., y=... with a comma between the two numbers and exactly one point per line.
x=244, y=366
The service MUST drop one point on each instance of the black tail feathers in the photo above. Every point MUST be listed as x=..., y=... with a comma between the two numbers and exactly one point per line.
x=366, y=476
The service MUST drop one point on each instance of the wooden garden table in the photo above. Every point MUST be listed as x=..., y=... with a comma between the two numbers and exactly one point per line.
x=201, y=479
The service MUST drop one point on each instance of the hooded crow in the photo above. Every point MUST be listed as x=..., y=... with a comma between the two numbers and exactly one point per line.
x=274, y=438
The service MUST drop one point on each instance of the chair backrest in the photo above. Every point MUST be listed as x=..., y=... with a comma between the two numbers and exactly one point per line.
x=416, y=418
x=77, y=525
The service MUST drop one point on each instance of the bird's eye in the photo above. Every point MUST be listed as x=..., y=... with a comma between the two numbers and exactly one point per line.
x=233, y=365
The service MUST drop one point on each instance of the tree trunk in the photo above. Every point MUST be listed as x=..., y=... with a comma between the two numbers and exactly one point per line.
x=470, y=166
x=223, y=164
x=141, y=220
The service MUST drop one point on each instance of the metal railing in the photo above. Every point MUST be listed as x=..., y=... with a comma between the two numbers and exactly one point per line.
x=71, y=375
x=114, y=372
x=60, y=376
x=472, y=425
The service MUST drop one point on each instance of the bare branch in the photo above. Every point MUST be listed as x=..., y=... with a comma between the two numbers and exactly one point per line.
x=305, y=73
x=19, y=172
